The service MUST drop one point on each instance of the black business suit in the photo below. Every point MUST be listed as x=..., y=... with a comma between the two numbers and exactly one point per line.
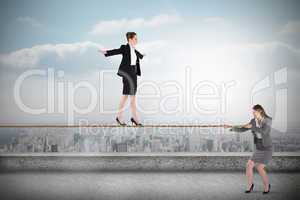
x=128, y=72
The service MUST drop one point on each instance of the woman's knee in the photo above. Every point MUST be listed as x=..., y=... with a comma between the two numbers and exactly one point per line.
x=250, y=164
x=260, y=167
x=132, y=98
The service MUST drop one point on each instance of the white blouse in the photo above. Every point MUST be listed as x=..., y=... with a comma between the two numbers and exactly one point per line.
x=132, y=56
x=258, y=135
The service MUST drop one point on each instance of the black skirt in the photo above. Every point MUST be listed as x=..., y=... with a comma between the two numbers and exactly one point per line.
x=130, y=81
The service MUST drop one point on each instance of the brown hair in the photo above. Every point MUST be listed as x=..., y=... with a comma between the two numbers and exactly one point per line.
x=130, y=35
x=259, y=108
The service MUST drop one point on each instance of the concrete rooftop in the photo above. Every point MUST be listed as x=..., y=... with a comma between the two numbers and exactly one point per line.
x=143, y=185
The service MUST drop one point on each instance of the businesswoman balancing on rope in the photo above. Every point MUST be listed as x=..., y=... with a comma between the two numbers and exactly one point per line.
x=129, y=69
x=260, y=126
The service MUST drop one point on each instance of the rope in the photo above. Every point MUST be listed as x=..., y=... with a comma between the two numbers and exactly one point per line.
x=107, y=126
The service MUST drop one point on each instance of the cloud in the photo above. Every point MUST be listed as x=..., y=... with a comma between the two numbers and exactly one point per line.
x=214, y=20
x=289, y=33
x=262, y=56
x=269, y=46
x=152, y=46
x=29, y=20
x=291, y=28
x=275, y=47
x=31, y=57
x=112, y=26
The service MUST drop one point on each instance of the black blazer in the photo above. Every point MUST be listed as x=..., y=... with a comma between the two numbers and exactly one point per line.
x=125, y=63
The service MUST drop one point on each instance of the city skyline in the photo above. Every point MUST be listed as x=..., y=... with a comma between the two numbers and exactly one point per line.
x=146, y=140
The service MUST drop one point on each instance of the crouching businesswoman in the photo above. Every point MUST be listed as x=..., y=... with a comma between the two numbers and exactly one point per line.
x=260, y=126
x=129, y=69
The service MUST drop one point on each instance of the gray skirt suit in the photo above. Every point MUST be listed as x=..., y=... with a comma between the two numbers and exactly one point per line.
x=263, y=143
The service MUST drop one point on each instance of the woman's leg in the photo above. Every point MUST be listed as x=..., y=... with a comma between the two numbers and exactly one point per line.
x=249, y=172
x=121, y=106
x=133, y=107
x=262, y=172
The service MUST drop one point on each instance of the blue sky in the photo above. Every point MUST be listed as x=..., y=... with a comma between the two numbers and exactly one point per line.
x=221, y=41
x=69, y=21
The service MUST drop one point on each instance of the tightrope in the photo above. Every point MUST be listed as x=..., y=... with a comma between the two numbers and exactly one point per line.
x=109, y=126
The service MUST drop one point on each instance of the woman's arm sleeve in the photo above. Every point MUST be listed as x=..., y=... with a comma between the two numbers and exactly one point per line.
x=264, y=129
x=239, y=129
x=140, y=56
x=114, y=52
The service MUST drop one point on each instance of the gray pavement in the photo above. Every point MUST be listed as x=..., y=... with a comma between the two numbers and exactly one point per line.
x=143, y=185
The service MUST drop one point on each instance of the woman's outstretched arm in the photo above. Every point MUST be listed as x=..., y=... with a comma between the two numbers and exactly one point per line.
x=112, y=52
x=140, y=56
x=241, y=128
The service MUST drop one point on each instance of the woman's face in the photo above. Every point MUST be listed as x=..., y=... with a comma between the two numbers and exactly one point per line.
x=133, y=41
x=256, y=114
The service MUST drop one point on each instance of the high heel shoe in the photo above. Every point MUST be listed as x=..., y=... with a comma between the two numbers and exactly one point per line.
x=266, y=192
x=251, y=189
x=135, y=122
x=120, y=123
